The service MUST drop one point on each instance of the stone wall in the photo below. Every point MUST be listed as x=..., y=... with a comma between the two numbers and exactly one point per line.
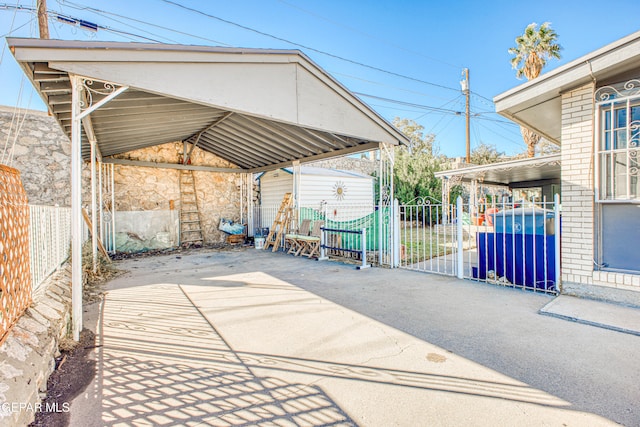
x=360, y=165
x=152, y=189
x=41, y=153
x=27, y=355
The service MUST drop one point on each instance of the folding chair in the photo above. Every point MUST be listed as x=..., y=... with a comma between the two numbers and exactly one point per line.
x=291, y=239
x=310, y=245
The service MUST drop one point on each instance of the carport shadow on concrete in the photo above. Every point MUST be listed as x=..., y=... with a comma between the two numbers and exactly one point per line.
x=162, y=360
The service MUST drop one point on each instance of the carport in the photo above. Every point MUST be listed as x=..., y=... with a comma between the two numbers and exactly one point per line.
x=258, y=109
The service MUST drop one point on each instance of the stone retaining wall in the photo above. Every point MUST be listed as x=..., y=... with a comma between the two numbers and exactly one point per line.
x=27, y=355
x=152, y=189
x=41, y=153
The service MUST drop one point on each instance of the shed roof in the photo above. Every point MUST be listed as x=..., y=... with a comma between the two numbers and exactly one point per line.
x=256, y=108
x=316, y=171
x=536, y=104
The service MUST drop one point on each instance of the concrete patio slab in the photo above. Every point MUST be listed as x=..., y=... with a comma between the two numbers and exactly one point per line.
x=229, y=339
x=595, y=313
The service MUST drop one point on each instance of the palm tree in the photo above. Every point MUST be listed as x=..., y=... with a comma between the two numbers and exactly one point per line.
x=533, y=49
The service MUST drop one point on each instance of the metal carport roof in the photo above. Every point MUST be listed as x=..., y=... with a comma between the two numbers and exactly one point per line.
x=509, y=172
x=256, y=108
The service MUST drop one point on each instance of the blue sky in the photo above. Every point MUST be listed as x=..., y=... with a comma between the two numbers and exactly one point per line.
x=421, y=46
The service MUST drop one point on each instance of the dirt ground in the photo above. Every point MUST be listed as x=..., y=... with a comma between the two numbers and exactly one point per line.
x=74, y=371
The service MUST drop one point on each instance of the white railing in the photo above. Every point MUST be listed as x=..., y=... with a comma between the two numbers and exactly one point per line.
x=49, y=239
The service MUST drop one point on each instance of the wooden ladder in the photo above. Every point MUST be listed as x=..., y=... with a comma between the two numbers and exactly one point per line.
x=190, y=224
x=280, y=224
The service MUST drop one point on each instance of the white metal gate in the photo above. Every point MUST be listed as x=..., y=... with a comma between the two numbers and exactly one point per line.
x=513, y=244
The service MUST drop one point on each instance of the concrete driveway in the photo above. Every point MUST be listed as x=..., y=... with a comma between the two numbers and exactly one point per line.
x=248, y=337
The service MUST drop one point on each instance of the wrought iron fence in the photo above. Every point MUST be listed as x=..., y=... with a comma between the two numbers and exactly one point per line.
x=512, y=244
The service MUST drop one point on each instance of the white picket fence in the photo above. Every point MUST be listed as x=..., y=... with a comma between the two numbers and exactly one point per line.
x=49, y=239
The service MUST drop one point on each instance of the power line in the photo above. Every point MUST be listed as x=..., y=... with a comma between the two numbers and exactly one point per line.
x=79, y=6
x=68, y=19
x=410, y=104
x=357, y=31
x=336, y=73
x=371, y=67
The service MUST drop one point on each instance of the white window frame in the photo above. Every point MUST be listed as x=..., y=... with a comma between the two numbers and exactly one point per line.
x=611, y=97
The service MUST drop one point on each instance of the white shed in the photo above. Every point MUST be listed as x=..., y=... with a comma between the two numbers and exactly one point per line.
x=344, y=194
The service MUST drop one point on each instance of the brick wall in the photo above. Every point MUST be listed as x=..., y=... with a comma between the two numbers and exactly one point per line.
x=577, y=186
x=579, y=218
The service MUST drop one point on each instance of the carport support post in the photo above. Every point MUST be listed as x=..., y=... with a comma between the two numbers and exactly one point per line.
x=94, y=210
x=76, y=207
x=459, y=253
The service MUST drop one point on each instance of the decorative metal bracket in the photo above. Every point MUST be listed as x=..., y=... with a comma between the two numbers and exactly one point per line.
x=609, y=93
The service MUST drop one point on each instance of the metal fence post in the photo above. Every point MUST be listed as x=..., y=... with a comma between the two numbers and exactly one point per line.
x=323, y=255
x=396, y=234
x=556, y=226
x=363, y=244
x=459, y=238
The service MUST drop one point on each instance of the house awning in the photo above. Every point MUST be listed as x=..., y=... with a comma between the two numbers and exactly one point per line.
x=537, y=104
x=258, y=109
x=535, y=169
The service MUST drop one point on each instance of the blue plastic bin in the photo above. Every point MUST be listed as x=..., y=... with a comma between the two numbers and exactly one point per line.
x=512, y=256
x=524, y=221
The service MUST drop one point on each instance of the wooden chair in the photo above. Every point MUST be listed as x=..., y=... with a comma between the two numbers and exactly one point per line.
x=310, y=245
x=291, y=239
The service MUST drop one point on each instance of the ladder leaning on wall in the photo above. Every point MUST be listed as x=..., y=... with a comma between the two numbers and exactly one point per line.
x=281, y=224
x=190, y=223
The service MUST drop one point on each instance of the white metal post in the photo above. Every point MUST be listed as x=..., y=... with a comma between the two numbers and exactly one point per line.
x=556, y=226
x=363, y=243
x=296, y=191
x=112, y=181
x=94, y=210
x=250, y=205
x=76, y=207
x=103, y=235
x=323, y=252
x=396, y=234
x=460, y=255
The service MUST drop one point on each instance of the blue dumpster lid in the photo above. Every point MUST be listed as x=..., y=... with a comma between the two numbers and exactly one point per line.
x=524, y=212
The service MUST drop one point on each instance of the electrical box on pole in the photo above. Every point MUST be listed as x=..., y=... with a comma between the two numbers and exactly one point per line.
x=465, y=90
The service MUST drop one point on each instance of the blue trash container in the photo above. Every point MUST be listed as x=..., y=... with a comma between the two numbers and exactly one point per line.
x=524, y=221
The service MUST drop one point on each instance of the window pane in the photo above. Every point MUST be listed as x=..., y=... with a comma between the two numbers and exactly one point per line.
x=621, y=117
x=634, y=172
x=605, y=176
x=635, y=113
x=607, y=118
x=605, y=144
x=634, y=127
x=620, y=139
x=620, y=176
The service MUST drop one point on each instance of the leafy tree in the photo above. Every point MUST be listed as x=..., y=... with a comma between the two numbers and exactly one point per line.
x=484, y=154
x=533, y=49
x=416, y=164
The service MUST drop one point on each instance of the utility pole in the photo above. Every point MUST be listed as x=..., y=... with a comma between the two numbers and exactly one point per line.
x=465, y=90
x=43, y=19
